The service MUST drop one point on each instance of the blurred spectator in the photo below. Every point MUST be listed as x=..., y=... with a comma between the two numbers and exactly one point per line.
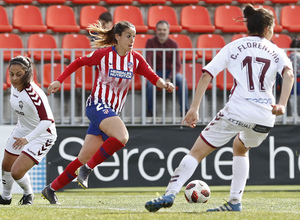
x=106, y=20
x=162, y=40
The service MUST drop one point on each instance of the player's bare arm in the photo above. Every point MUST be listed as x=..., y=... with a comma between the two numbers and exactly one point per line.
x=165, y=85
x=287, y=84
x=54, y=87
x=192, y=115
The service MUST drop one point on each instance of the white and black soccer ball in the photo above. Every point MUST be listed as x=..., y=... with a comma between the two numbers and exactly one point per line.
x=197, y=191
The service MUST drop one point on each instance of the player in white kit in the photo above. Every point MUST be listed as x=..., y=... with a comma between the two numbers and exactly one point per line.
x=250, y=112
x=34, y=134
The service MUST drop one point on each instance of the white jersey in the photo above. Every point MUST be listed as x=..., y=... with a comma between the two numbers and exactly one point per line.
x=31, y=106
x=253, y=62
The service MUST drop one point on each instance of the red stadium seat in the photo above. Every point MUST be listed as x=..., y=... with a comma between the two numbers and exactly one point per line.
x=75, y=41
x=140, y=41
x=282, y=40
x=189, y=75
x=90, y=14
x=184, y=41
x=118, y=1
x=277, y=28
x=18, y=1
x=51, y=1
x=237, y=36
x=196, y=18
x=284, y=1
x=28, y=18
x=85, y=1
x=88, y=83
x=161, y=12
x=61, y=18
x=42, y=41
x=184, y=1
x=55, y=69
x=225, y=19
x=152, y=1
x=251, y=1
x=218, y=1
x=209, y=41
x=12, y=41
x=132, y=14
x=290, y=18
x=4, y=23
x=220, y=80
x=4, y=86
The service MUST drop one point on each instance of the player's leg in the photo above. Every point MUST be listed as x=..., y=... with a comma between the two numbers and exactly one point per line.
x=7, y=179
x=240, y=168
x=181, y=174
x=92, y=144
x=117, y=136
x=19, y=173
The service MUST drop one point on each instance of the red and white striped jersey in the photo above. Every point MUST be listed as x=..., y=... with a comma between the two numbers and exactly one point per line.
x=113, y=76
x=31, y=106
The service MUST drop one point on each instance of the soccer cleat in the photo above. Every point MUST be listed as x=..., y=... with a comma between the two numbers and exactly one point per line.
x=160, y=202
x=26, y=199
x=4, y=201
x=83, y=174
x=50, y=195
x=227, y=207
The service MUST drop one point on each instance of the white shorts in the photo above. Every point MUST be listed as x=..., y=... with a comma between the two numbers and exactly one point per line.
x=35, y=149
x=221, y=130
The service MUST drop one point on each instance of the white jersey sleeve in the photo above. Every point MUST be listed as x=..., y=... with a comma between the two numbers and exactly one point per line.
x=31, y=106
x=254, y=63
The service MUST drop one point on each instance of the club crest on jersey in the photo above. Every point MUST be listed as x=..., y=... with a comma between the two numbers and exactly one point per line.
x=120, y=74
x=130, y=65
x=21, y=104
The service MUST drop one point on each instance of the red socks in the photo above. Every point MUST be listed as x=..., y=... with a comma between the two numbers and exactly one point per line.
x=108, y=148
x=67, y=176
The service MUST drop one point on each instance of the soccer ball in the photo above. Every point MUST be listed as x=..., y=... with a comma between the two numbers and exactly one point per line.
x=197, y=191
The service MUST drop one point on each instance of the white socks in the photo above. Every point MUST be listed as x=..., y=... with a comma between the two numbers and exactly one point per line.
x=240, y=170
x=7, y=182
x=24, y=183
x=181, y=174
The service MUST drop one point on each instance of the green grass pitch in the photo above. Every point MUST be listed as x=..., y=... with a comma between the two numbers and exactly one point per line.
x=259, y=202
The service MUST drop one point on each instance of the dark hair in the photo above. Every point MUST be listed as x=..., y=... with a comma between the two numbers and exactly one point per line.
x=257, y=19
x=105, y=16
x=295, y=43
x=162, y=22
x=27, y=66
x=104, y=38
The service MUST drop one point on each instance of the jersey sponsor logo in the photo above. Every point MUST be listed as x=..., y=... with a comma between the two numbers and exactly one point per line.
x=260, y=100
x=120, y=74
x=239, y=123
x=19, y=113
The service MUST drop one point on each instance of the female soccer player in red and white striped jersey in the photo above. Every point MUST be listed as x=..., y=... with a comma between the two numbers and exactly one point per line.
x=116, y=63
